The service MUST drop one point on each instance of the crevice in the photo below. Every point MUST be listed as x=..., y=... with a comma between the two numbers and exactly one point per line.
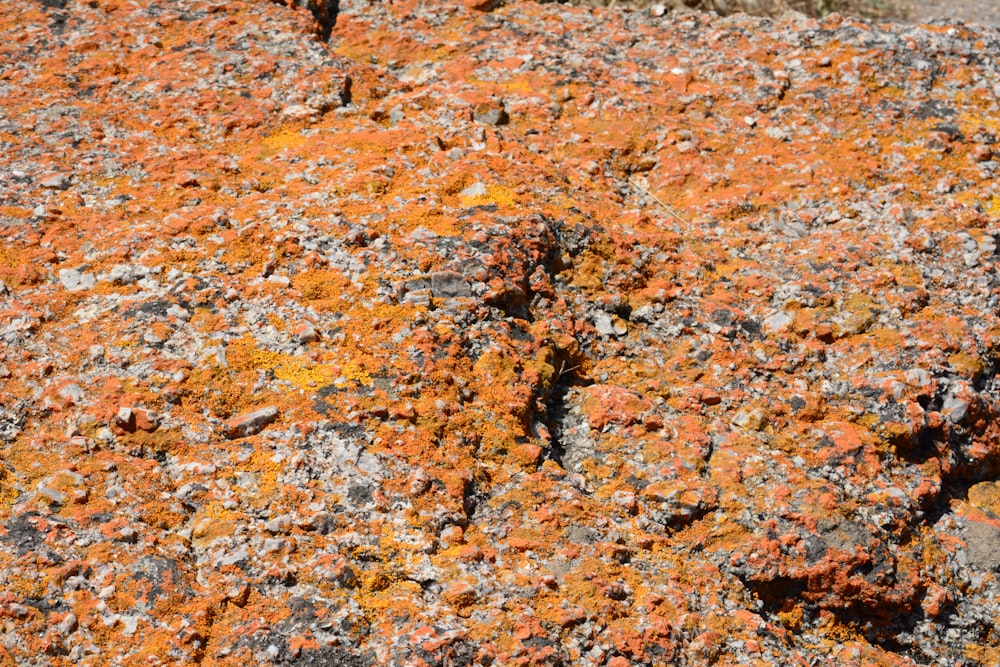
x=324, y=11
x=555, y=414
x=557, y=409
x=966, y=420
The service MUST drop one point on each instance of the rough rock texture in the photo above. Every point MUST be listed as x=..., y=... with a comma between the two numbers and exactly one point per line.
x=530, y=336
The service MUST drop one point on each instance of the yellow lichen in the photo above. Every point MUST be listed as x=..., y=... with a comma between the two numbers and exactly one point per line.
x=992, y=205
x=243, y=354
x=495, y=194
x=353, y=371
x=279, y=140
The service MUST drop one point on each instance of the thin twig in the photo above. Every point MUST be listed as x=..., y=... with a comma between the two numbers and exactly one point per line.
x=666, y=207
x=563, y=369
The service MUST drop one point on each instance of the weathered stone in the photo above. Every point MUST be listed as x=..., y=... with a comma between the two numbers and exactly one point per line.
x=250, y=423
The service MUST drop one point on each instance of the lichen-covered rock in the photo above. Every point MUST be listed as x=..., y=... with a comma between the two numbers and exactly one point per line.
x=495, y=334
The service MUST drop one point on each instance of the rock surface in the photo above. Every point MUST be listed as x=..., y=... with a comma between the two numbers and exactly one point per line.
x=495, y=335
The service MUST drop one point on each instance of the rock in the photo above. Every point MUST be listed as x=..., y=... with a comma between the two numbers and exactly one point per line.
x=51, y=495
x=981, y=153
x=306, y=333
x=778, y=321
x=918, y=377
x=491, y=113
x=250, y=423
x=75, y=280
x=482, y=5
x=544, y=335
x=186, y=179
x=279, y=524
x=604, y=325
x=125, y=418
x=475, y=190
x=449, y=285
x=957, y=402
x=982, y=545
x=69, y=624
x=72, y=393
x=55, y=181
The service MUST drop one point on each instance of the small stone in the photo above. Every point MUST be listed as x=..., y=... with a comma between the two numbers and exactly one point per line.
x=420, y=482
x=250, y=423
x=938, y=142
x=918, y=377
x=72, y=393
x=491, y=113
x=604, y=325
x=981, y=153
x=186, y=180
x=710, y=397
x=449, y=285
x=53, y=496
x=281, y=524
x=75, y=280
x=306, y=333
x=284, y=281
x=55, y=181
x=753, y=420
x=459, y=594
x=778, y=321
x=481, y=5
x=121, y=274
x=983, y=545
x=69, y=624
x=299, y=112
x=477, y=189
x=272, y=544
x=955, y=409
x=625, y=499
x=239, y=594
x=452, y=535
x=935, y=601
x=125, y=419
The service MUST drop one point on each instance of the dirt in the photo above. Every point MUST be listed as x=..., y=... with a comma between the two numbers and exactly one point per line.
x=986, y=12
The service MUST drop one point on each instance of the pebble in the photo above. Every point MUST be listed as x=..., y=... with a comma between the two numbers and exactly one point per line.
x=607, y=327
x=280, y=524
x=306, y=333
x=51, y=495
x=250, y=423
x=55, y=181
x=491, y=113
x=69, y=624
x=72, y=393
x=449, y=285
x=473, y=191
